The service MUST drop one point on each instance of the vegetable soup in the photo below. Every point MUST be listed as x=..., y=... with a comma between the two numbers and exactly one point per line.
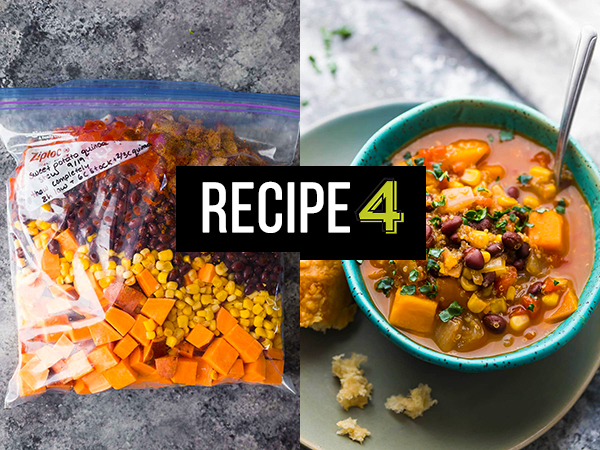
x=508, y=251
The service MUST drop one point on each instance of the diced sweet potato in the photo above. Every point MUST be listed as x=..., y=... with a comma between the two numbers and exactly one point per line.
x=158, y=309
x=412, y=312
x=275, y=353
x=200, y=336
x=125, y=297
x=103, y=358
x=273, y=374
x=220, y=355
x=237, y=370
x=248, y=347
x=138, y=331
x=185, y=349
x=203, y=373
x=79, y=334
x=120, y=320
x=79, y=365
x=48, y=356
x=255, y=372
x=568, y=305
x=186, y=372
x=67, y=242
x=103, y=333
x=166, y=366
x=125, y=346
x=64, y=346
x=96, y=382
x=547, y=231
x=467, y=151
x=81, y=388
x=120, y=376
x=61, y=372
x=50, y=264
x=225, y=321
x=207, y=273
x=136, y=363
x=159, y=348
x=147, y=282
x=34, y=374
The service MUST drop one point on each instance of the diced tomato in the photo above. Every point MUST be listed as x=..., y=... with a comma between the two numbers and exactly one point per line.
x=503, y=282
x=531, y=305
x=542, y=158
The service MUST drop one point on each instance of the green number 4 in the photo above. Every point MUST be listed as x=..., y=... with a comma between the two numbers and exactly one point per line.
x=383, y=207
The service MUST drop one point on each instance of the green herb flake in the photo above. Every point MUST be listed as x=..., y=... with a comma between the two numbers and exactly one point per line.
x=482, y=189
x=408, y=289
x=436, y=252
x=413, y=275
x=428, y=289
x=359, y=261
x=419, y=161
x=441, y=202
x=385, y=285
x=343, y=32
x=305, y=102
x=374, y=48
x=506, y=135
x=407, y=155
x=541, y=210
x=561, y=206
x=524, y=178
x=531, y=307
x=432, y=265
x=454, y=310
x=490, y=138
x=476, y=216
x=313, y=62
x=555, y=282
x=436, y=221
x=437, y=172
x=332, y=68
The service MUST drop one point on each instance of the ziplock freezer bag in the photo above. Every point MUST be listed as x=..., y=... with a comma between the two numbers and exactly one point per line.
x=103, y=300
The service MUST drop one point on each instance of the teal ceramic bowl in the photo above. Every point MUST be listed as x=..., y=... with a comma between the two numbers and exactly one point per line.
x=501, y=114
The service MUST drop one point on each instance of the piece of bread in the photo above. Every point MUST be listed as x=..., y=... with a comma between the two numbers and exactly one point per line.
x=350, y=427
x=415, y=404
x=325, y=299
x=356, y=389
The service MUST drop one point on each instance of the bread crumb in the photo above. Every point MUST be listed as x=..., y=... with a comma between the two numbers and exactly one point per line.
x=415, y=404
x=325, y=299
x=351, y=428
x=356, y=389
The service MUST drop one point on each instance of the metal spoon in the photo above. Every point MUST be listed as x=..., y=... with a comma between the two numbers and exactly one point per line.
x=581, y=63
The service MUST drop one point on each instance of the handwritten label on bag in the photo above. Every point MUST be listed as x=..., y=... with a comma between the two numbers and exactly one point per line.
x=50, y=171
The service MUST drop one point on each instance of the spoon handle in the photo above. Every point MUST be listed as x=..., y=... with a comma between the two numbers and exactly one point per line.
x=581, y=63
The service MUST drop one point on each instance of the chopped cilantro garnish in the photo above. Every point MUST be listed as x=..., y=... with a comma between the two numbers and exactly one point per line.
x=482, y=189
x=419, y=161
x=541, y=210
x=506, y=135
x=407, y=155
x=408, y=289
x=432, y=265
x=332, y=68
x=501, y=226
x=436, y=252
x=359, y=261
x=555, y=282
x=524, y=178
x=476, y=216
x=441, y=202
x=531, y=307
x=428, y=289
x=385, y=285
x=454, y=310
x=436, y=221
x=304, y=102
x=313, y=62
x=490, y=138
x=413, y=275
x=437, y=172
x=561, y=206
x=344, y=32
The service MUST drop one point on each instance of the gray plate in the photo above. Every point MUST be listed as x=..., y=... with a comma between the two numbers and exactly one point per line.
x=494, y=410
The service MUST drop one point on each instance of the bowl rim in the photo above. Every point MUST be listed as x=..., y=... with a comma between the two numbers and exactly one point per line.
x=536, y=351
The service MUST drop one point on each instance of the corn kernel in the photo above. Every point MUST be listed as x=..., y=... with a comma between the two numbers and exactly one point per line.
x=150, y=325
x=171, y=341
x=548, y=191
x=268, y=325
x=130, y=281
x=531, y=202
x=213, y=325
x=475, y=304
x=221, y=296
x=551, y=300
x=104, y=283
x=507, y=202
x=217, y=282
x=165, y=255
x=192, y=289
x=169, y=293
x=486, y=256
x=126, y=262
x=244, y=313
x=168, y=332
x=542, y=173
x=179, y=333
x=472, y=177
x=510, y=293
x=137, y=268
x=256, y=309
x=209, y=314
x=519, y=322
x=258, y=321
x=247, y=303
x=187, y=310
x=162, y=277
x=270, y=334
x=150, y=334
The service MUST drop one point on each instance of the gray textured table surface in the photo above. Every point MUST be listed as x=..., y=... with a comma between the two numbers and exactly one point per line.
x=431, y=64
x=237, y=44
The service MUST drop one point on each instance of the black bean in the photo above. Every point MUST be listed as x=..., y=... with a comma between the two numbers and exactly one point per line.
x=430, y=239
x=484, y=224
x=454, y=239
x=54, y=247
x=474, y=258
x=495, y=248
x=237, y=266
x=524, y=251
x=20, y=252
x=488, y=279
x=93, y=256
x=451, y=225
x=494, y=323
x=535, y=288
x=519, y=264
x=513, y=192
x=512, y=240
